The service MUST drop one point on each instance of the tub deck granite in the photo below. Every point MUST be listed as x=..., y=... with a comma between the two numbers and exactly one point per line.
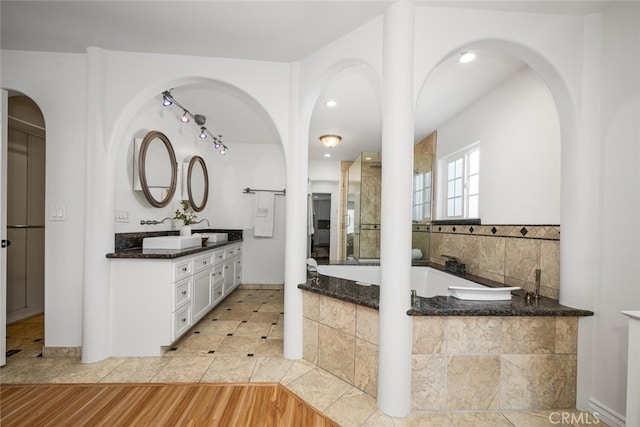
x=369, y=296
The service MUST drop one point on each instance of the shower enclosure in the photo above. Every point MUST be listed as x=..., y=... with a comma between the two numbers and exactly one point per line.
x=361, y=235
x=363, y=207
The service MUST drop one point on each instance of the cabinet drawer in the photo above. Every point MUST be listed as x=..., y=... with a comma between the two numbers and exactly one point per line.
x=182, y=293
x=181, y=322
x=218, y=272
x=239, y=250
x=218, y=256
x=201, y=262
x=230, y=252
x=182, y=269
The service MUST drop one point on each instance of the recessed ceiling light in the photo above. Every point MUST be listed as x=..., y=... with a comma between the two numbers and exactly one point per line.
x=367, y=158
x=327, y=155
x=466, y=57
x=331, y=103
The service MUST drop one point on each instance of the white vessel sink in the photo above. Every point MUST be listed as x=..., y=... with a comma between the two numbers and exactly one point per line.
x=217, y=237
x=171, y=242
x=482, y=293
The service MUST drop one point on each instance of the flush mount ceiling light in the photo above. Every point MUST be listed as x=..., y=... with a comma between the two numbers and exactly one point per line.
x=327, y=155
x=331, y=103
x=330, y=141
x=466, y=57
x=168, y=100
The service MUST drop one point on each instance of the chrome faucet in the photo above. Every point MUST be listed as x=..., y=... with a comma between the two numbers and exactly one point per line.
x=453, y=265
x=414, y=297
x=203, y=219
x=153, y=221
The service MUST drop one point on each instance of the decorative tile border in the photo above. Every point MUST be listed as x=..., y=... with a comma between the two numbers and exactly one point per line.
x=530, y=231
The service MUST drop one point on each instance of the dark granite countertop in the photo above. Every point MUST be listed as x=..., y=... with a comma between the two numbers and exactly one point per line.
x=138, y=253
x=369, y=296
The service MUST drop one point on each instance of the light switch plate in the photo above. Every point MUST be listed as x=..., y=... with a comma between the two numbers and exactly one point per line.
x=58, y=212
x=121, y=216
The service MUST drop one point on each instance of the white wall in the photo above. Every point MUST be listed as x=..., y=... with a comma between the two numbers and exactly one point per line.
x=57, y=83
x=519, y=133
x=620, y=264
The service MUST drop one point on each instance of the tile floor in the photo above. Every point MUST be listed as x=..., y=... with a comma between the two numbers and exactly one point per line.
x=239, y=341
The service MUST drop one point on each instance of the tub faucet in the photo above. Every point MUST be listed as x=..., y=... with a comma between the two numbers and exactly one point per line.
x=414, y=297
x=453, y=265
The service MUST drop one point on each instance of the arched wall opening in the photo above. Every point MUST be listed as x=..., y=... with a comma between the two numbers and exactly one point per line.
x=111, y=178
x=355, y=88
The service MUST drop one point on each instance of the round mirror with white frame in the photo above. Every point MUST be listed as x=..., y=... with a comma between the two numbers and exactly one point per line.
x=197, y=183
x=158, y=169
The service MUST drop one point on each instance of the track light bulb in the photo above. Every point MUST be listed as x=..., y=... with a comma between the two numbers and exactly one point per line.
x=223, y=152
x=185, y=117
x=166, y=101
x=202, y=134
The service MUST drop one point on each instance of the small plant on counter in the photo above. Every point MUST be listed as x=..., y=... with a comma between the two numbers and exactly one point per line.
x=186, y=216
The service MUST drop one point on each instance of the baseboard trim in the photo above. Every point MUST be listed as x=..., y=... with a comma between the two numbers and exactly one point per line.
x=265, y=286
x=606, y=414
x=62, y=352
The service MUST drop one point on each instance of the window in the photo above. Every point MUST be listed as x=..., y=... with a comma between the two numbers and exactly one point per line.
x=462, y=183
x=422, y=196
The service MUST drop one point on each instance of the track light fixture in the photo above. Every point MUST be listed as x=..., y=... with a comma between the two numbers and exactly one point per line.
x=168, y=100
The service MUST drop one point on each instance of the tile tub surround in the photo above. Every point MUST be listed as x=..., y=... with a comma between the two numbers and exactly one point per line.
x=467, y=355
x=508, y=254
x=369, y=296
x=342, y=338
x=494, y=363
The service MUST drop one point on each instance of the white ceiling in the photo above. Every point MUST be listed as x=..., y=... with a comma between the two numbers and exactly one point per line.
x=283, y=31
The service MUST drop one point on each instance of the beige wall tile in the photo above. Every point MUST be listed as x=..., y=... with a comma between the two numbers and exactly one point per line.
x=429, y=334
x=336, y=352
x=479, y=419
x=474, y=335
x=366, y=367
x=310, y=304
x=550, y=264
x=428, y=382
x=540, y=381
x=566, y=335
x=491, y=254
x=310, y=340
x=367, y=324
x=337, y=314
x=473, y=382
x=522, y=259
x=524, y=335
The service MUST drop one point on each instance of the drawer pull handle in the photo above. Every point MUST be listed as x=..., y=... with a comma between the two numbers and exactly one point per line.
x=226, y=266
x=184, y=269
x=184, y=292
x=204, y=262
x=184, y=320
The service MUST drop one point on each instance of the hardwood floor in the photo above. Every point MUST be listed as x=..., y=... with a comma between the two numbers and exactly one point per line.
x=193, y=404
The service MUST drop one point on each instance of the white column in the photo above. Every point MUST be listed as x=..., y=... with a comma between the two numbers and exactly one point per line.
x=394, y=375
x=296, y=160
x=99, y=227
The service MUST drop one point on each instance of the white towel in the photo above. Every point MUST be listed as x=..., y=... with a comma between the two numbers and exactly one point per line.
x=263, y=220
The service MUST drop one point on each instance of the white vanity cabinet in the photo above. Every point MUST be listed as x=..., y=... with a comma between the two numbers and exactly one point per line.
x=155, y=301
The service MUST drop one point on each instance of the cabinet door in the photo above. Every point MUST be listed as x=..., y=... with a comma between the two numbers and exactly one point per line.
x=201, y=299
x=228, y=275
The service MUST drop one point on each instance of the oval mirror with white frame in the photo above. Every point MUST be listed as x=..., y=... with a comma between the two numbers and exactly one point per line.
x=196, y=179
x=157, y=169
